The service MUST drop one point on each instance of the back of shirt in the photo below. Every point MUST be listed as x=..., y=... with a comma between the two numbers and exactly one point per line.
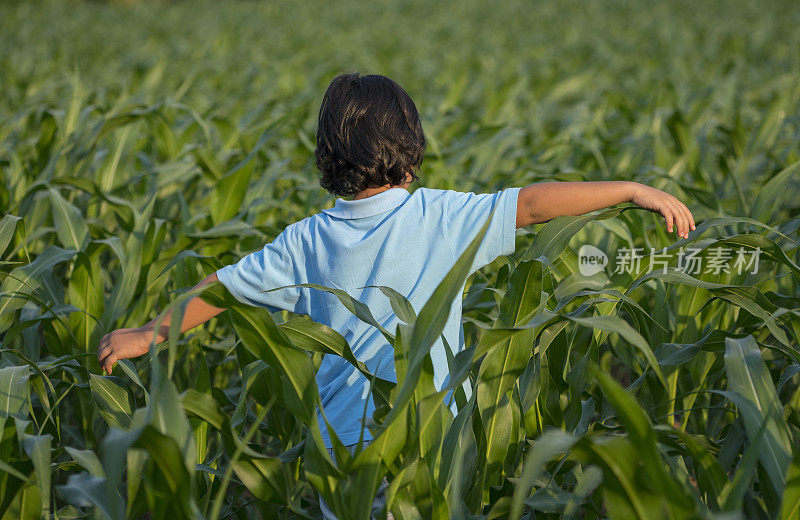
x=408, y=242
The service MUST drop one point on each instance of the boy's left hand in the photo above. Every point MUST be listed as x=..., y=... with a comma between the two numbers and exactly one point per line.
x=675, y=212
x=123, y=344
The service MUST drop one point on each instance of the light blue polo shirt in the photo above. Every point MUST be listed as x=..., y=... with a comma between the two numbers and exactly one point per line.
x=407, y=241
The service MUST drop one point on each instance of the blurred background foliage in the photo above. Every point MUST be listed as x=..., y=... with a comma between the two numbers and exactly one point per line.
x=142, y=146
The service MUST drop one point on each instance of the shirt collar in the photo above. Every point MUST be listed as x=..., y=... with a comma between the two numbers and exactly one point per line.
x=369, y=206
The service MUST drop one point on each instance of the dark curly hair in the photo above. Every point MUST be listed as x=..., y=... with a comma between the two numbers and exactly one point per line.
x=368, y=135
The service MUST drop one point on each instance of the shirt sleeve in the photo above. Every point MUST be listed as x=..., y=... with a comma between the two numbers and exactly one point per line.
x=268, y=268
x=465, y=215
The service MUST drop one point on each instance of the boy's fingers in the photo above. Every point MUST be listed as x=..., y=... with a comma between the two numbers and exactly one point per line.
x=106, y=356
x=684, y=221
x=691, y=219
x=688, y=219
x=669, y=220
x=676, y=219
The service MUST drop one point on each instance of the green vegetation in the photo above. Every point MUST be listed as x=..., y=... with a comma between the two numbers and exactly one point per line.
x=143, y=146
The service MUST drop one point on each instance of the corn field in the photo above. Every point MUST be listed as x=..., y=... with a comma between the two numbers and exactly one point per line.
x=144, y=146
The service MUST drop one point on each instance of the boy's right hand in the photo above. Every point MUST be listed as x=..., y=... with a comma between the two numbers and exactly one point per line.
x=123, y=344
x=675, y=212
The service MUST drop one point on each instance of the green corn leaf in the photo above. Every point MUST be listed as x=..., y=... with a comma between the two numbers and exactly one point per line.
x=643, y=436
x=588, y=480
x=624, y=494
x=135, y=461
x=732, y=495
x=772, y=192
x=702, y=227
x=169, y=457
x=37, y=447
x=506, y=362
x=266, y=341
x=88, y=460
x=749, y=378
x=129, y=256
x=357, y=308
x=87, y=293
x=711, y=478
x=112, y=400
x=85, y=490
x=8, y=226
x=167, y=415
x=130, y=370
x=70, y=224
x=621, y=327
x=203, y=406
x=542, y=451
x=555, y=235
x=317, y=337
x=229, y=193
x=265, y=478
x=400, y=304
x=14, y=392
x=26, y=279
x=790, y=503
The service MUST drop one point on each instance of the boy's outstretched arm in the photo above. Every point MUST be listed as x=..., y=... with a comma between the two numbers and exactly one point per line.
x=128, y=343
x=548, y=200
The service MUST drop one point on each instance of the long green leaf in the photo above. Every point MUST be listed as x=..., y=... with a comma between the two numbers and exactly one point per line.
x=14, y=392
x=112, y=399
x=749, y=378
x=70, y=224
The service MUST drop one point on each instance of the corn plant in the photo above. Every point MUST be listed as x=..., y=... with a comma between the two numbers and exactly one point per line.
x=144, y=146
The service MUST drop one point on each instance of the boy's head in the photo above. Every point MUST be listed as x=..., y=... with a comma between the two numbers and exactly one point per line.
x=369, y=135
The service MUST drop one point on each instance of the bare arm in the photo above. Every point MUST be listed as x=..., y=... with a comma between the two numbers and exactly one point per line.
x=128, y=343
x=548, y=200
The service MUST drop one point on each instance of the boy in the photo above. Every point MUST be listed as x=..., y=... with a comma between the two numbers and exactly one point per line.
x=370, y=146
